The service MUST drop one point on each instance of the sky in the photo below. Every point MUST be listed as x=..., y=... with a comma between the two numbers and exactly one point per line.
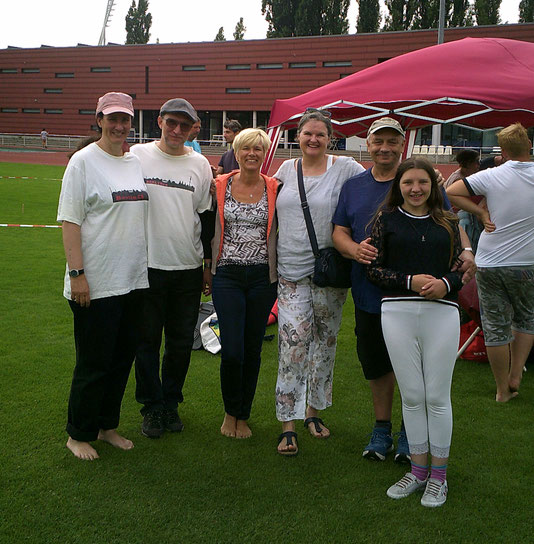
x=64, y=23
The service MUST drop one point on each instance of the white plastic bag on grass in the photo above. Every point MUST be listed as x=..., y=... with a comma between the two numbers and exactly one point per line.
x=209, y=332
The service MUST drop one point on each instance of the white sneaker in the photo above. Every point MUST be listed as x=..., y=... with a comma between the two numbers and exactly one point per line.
x=405, y=486
x=435, y=493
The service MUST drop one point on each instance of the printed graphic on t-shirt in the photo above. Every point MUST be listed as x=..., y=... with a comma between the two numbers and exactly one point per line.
x=171, y=184
x=129, y=195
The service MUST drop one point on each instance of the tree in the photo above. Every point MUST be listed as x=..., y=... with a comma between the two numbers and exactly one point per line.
x=401, y=14
x=368, y=16
x=280, y=14
x=240, y=30
x=220, y=35
x=138, y=23
x=289, y=18
x=526, y=11
x=335, y=20
x=487, y=12
x=462, y=13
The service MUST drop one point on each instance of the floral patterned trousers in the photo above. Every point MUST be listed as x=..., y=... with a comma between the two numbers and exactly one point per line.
x=308, y=323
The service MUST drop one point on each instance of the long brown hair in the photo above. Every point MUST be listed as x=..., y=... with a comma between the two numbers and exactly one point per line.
x=435, y=199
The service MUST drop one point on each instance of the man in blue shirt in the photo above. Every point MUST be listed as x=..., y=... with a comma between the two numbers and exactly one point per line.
x=191, y=139
x=359, y=200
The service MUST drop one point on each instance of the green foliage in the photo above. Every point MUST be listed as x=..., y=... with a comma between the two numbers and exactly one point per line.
x=280, y=14
x=240, y=30
x=138, y=23
x=200, y=487
x=220, y=35
x=487, y=12
x=288, y=18
x=401, y=14
x=462, y=14
x=406, y=14
x=368, y=16
x=526, y=11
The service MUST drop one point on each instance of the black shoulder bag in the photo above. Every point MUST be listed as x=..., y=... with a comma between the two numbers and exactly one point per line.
x=331, y=269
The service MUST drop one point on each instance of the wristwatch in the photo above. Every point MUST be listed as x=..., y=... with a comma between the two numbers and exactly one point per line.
x=468, y=249
x=76, y=273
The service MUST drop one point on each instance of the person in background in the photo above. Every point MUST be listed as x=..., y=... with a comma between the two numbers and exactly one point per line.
x=44, y=139
x=228, y=162
x=505, y=256
x=191, y=139
x=417, y=242
x=244, y=280
x=491, y=162
x=178, y=183
x=103, y=207
x=469, y=161
x=308, y=316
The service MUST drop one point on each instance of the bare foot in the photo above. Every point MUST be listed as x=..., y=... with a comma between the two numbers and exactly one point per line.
x=82, y=450
x=505, y=397
x=242, y=429
x=228, y=427
x=111, y=436
x=288, y=449
x=514, y=382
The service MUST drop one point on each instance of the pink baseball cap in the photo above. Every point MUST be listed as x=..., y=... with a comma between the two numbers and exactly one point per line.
x=114, y=102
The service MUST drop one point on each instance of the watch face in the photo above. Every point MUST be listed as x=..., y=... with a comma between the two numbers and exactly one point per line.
x=74, y=273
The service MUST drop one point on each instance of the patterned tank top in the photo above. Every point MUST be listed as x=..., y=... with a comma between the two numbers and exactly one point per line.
x=245, y=230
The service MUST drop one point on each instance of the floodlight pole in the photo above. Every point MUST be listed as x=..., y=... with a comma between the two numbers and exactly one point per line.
x=436, y=129
x=107, y=17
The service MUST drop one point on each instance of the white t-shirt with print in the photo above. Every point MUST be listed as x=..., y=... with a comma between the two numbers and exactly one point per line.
x=509, y=192
x=179, y=190
x=295, y=256
x=107, y=197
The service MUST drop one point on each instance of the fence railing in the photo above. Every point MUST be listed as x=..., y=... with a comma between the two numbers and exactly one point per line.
x=436, y=154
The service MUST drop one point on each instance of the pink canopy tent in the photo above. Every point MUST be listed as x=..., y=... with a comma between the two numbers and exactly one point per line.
x=477, y=82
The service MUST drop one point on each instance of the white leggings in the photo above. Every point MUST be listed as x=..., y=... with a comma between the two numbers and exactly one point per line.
x=422, y=339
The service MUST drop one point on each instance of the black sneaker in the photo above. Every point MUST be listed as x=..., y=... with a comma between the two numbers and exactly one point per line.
x=172, y=421
x=152, y=425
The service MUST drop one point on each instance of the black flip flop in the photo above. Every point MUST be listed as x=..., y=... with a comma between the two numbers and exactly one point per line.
x=289, y=436
x=316, y=422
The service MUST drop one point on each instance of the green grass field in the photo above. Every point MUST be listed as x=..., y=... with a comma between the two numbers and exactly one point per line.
x=199, y=486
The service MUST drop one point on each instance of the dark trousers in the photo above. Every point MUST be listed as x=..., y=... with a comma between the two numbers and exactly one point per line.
x=106, y=334
x=243, y=297
x=171, y=304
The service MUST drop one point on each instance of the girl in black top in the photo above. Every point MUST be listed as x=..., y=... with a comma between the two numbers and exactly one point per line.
x=418, y=242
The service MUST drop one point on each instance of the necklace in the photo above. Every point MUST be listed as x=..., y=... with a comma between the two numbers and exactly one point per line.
x=411, y=222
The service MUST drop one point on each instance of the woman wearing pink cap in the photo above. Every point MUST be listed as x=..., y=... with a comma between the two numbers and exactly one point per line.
x=102, y=207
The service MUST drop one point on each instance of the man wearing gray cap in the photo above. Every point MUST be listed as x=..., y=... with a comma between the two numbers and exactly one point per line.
x=178, y=184
x=359, y=200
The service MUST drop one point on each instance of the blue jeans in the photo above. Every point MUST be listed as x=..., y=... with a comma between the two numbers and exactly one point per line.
x=243, y=297
x=171, y=304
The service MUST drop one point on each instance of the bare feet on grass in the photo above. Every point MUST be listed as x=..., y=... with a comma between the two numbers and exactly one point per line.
x=82, y=450
x=514, y=382
x=228, y=427
x=111, y=436
x=242, y=429
x=506, y=396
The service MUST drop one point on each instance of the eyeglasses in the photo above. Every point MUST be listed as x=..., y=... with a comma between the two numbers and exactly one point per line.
x=326, y=113
x=173, y=124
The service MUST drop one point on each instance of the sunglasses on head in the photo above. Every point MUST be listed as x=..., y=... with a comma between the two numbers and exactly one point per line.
x=326, y=113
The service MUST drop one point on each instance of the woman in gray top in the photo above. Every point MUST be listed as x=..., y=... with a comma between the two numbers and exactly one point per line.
x=308, y=316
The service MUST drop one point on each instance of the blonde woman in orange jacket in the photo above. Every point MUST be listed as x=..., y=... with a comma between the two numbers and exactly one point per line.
x=244, y=274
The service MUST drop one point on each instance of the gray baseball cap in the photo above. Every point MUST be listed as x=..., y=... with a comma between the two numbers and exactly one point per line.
x=385, y=122
x=179, y=105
